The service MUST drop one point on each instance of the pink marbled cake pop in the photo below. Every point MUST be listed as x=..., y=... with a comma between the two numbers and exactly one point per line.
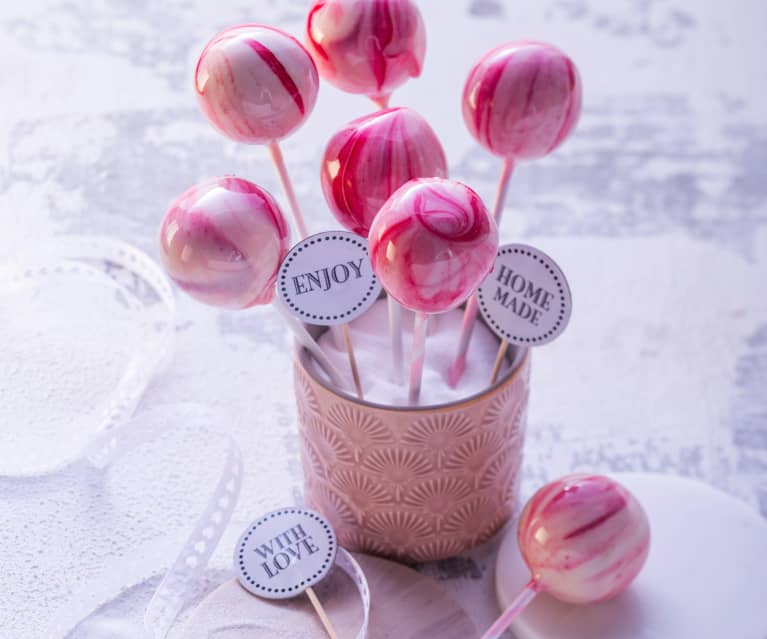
x=522, y=99
x=432, y=244
x=367, y=46
x=256, y=84
x=223, y=240
x=371, y=157
x=584, y=537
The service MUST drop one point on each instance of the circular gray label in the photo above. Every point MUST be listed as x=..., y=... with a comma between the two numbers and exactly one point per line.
x=526, y=299
x=328, y=278
x=285, y=552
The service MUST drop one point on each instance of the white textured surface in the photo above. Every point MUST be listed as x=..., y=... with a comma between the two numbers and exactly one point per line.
x=656, y=209
x=55, y=356
x=372, y=351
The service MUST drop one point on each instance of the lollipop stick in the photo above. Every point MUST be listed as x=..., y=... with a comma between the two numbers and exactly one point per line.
x=417, y=356
x=516, y=607
x=382, y=101
x=502, y=190
x=342, y=340
x=279, y=163
x=321, y=613
x=308, y=342
x=352, y=360
x=499, y=361
x=338, y=336
x=276, y=154
x=395, y=331
x=470, y=314
x=395, y=310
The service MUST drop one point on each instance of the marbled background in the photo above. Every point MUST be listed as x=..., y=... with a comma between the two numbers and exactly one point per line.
x=656, y=209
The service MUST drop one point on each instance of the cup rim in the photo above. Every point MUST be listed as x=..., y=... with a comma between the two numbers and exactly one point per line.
x=301, y=354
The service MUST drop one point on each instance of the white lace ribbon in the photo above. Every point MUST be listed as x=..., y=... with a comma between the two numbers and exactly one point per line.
x=176, y=587
x=118, y=435
x=141, y=284
x=175, y=590
x=349, y=565
x=179, y=583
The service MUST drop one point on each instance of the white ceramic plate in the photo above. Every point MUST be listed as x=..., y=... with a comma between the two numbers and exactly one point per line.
x=704, y=578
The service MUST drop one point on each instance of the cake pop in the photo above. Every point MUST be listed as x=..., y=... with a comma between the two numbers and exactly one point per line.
x=584, y=537
x=367, y=46
x=371, y=157
x=364, y=163
x=222, y=242
x=431, y=245
x=370, y=47
x=257, y=84
x=521, y=101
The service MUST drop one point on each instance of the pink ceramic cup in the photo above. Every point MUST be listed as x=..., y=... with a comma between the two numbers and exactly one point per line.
x=413, y=483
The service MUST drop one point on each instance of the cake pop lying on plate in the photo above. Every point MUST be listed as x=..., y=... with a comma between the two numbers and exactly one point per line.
x=257, y=84
x=222, y=242
x=521, y=101
x=431, y=245
x=584, y=537
x=367, y=46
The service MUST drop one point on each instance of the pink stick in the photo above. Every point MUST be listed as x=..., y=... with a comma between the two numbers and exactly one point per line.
x=510, y=614
x=417, y=356
x=395, y=334
x=279, y=163
x=458, y=366
x=395, y=310
x=382, y=101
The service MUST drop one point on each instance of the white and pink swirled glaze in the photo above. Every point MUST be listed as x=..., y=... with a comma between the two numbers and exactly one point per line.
x=371, y=157
x=222, y=242
x=432, y=244
x=367, y=46
x=584, y=537
x=255, y=84
x=522, y=99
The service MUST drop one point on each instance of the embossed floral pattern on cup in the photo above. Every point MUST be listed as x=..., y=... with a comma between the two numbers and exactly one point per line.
x=360, y=429
x=412, y=483
x=438, y=432
x=397, y=467
x=472, y=454
x=438, y=496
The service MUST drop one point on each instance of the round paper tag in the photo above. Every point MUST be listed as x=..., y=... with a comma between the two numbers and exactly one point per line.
x=328, y=279
x=526, y=299
x=285, y=552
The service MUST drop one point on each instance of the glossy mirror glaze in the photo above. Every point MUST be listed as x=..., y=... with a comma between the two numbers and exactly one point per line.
x=255, y=84
x=367, y=46
x=371, y=157
x=222, y=242
x=522, y=99
x=432, y=243
x=584, y=537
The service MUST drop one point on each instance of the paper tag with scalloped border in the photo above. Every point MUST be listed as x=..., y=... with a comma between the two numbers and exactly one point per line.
x=328, y=279
x=285, y=552
x=526, y=299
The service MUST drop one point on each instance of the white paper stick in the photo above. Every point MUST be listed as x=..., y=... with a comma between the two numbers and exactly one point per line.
x=308, y=342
